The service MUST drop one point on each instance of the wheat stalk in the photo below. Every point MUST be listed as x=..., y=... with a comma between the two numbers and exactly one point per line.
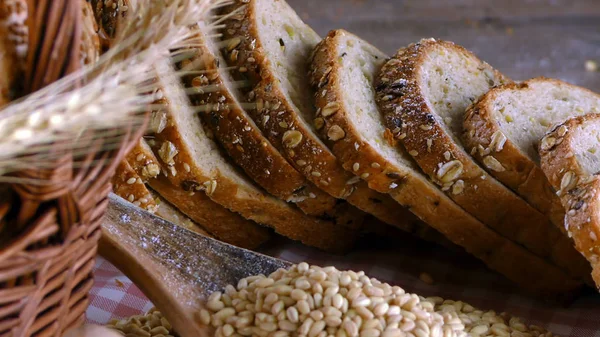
x=118, y=91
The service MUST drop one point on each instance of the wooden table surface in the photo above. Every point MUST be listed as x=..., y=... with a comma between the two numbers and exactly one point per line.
x=522, y=38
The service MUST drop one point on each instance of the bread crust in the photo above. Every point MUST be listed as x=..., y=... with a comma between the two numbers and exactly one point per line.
x=143, y=161
x=108, y=18
x=309, y=156
x=411, y=189
x=129, y=186
x=324, y=70
x=243, y=140
x=578, y=190
x=90, y=41
x=170, y=213
x=412, y=122
x=187, y=173
x=522, y=174
x=225, y=225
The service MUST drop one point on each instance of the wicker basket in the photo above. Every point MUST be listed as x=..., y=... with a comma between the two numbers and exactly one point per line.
x=46, y=272
x=49, y=232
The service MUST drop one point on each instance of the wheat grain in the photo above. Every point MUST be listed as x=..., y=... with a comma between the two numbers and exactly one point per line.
x=312, y=301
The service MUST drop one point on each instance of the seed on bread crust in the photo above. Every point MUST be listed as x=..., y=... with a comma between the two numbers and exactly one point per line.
x=498, y=141
x=319, y=123
x=568, y=182
x=167, y=152
x=458, y=187
x=562, y=131
x=151, y=170
x=493, y=164
x=330, y=109
x=210, y=186
x=548, y=143
x=292, y=138
x=450, y=171
x=336, y=133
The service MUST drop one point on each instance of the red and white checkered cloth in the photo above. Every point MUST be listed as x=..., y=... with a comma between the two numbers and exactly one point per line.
x=456, y=276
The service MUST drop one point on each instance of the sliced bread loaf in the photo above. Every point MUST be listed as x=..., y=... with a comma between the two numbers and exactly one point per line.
x=195, y=163
x=424, y=91
x=269, y=45
x=217, y=220
x=507, y=123
x=571, y=161
x=273, y=45
x=343, y=67
x=235, y=130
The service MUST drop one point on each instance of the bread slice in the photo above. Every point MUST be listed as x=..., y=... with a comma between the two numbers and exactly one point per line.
x=424, y=91
x=508, y=122
x=143, y=160
x=223, y=224
x=220, y=222
x=128, y=185
x=268, y=44
x=196, y=163
x=90, y=44
x=345, y=66
x=272, y=46
x=249, y=148
x=107, y=14
x=240, y=136
x=170, y=213
x=571, y=161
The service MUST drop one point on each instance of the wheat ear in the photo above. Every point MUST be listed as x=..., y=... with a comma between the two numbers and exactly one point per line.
x=118, y=89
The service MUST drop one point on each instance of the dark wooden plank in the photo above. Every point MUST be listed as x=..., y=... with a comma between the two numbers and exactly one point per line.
x=522, y=38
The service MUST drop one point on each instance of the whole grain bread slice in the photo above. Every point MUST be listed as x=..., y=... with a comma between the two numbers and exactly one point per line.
x=348, y=65
x=220, y=222
x=250, y=149
x=143, y=160
x=271, y=52
x=108, y=15
x=195, y=163
x=172, y=214
x=237, y=133
x=423, y=92
x=273, y=45
x=223, y=224
x=571, y=161
x=128, y=185
x=508, y=122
